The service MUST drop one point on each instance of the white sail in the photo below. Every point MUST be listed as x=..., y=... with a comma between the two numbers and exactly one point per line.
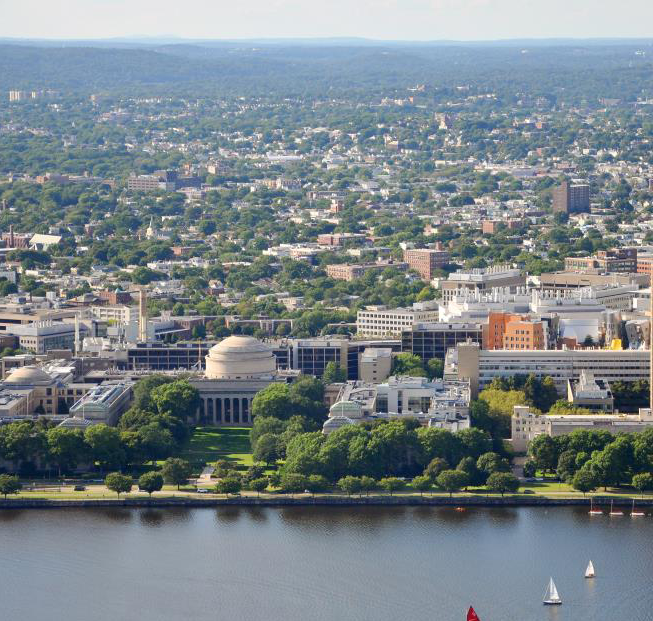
x=551, y=596
x=589, y=572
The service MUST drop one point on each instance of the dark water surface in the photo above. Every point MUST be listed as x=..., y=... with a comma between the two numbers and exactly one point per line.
x=326, y=564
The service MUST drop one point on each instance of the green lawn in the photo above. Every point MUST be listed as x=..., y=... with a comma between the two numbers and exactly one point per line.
x=209, y=444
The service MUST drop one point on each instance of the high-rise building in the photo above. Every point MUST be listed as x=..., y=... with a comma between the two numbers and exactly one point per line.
x=571, y=197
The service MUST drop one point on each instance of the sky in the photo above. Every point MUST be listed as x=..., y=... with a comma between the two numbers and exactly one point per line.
x=374, y=19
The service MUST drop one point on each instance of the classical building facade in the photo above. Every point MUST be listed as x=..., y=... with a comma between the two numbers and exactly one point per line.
x=236, y=369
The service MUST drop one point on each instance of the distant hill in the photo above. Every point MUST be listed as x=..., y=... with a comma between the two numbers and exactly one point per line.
x=609, y=70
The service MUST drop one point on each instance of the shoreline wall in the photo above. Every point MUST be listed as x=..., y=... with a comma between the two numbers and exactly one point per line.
x=321, y=501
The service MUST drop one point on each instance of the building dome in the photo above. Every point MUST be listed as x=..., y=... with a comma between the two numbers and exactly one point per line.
x=240, y=357
x=28, y=376
x=348, y=409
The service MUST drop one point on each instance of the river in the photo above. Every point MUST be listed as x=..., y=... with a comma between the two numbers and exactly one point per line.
x=322, y=564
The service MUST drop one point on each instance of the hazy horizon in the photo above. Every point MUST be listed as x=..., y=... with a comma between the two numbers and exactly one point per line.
x=381, y=20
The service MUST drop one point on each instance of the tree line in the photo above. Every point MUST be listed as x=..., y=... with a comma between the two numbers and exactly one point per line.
x=590, y=459
x=153, y=428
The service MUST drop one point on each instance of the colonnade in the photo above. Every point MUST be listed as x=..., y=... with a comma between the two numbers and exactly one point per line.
x=225, y=410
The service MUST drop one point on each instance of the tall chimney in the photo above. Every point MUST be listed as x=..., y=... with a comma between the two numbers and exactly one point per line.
x=142, y=316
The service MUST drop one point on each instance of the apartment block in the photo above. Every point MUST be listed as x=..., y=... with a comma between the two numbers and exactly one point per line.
x=426, y=261
x=571, y=197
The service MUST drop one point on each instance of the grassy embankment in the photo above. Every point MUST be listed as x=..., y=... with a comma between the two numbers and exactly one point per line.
x=210, y=444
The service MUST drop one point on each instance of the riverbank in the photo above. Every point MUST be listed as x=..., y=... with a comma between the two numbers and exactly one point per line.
x=322, y=500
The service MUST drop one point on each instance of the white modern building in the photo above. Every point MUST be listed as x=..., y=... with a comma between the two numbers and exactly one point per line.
x=380, y=321
x=482, y=366
x=434, y=403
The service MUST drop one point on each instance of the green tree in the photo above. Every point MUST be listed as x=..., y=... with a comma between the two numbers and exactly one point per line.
x=334, y=373
x=263, y=425
x=66, y=447
x=259, y=485
x=642, y=482
x=584, y=480
x=229, y=485
x=544, y=451
x=566, y=466
x=316, y=483
x=391, y=484
x=178, y=399
x=474, y=442
x=9, y=485
x=176, y=471
x=435, y=368
x=489, y=463
x=407, y=364
x=273, y=401
x=143, y=389
x=422, y=484
x=150, y=482
x=530, y=469
x=293, y=483
x=156, y=442
x=350, y=485
x=267, y=449
x=308, y=387
x=435, y=467
x=440, y=443
x=469, y=467
x=22, y=442
x=368, y=484
x=502, y=482
x=105, y=445
x=118, y=483
x=452, y=481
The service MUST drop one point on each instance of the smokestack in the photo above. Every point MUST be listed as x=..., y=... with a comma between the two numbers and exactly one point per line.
x=142, y=316
x=76, y=334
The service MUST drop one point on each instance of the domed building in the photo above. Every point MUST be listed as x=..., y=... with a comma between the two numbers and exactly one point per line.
x=240, y=357
x=236, y=369
x=31, y=391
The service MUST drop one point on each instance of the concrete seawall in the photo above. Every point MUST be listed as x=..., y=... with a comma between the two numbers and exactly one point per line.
x=336, y=501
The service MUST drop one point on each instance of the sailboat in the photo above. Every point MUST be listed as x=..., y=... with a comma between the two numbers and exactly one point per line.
x=634, y=513
x=471, y=615
x=589, y=572
x=594, y=511
x=551, y=597
x=614, y=513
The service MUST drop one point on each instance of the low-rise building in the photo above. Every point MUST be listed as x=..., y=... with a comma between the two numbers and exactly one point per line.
x=562, y=365
x=482, y=279
x=342, y=271
x=434, y=403
x=621, y=260
x=105, y=403
x=384, y=321
x=526, y=425
x=590, y=393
